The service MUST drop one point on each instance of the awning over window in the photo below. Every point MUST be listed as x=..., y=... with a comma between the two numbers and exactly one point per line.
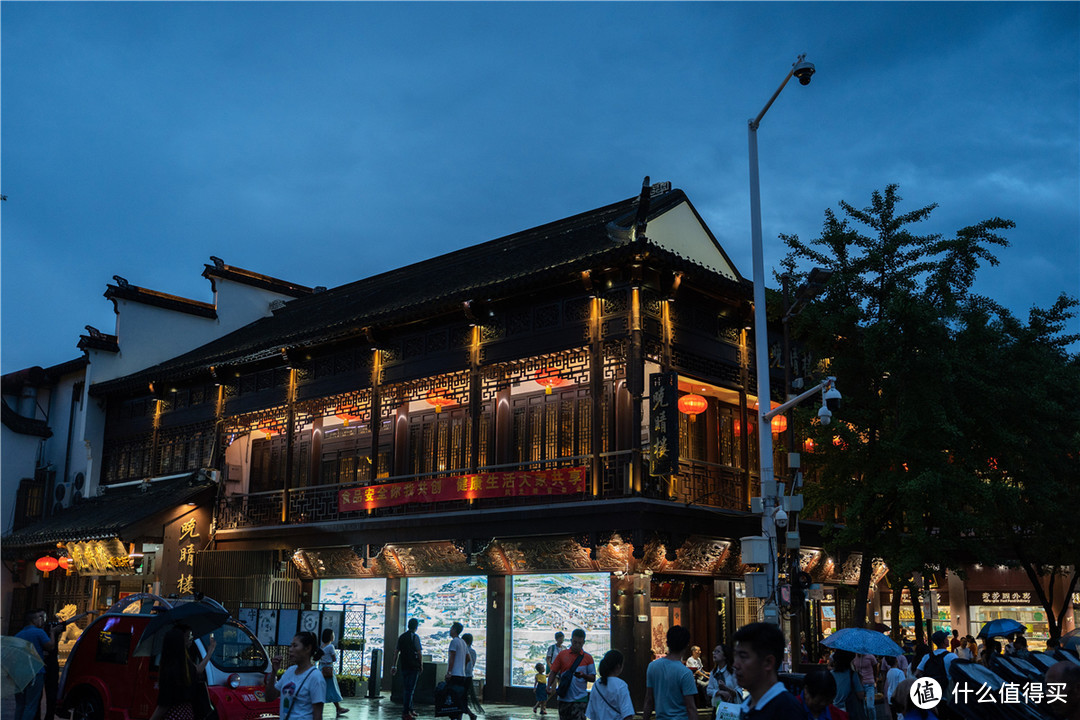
x=127, y=513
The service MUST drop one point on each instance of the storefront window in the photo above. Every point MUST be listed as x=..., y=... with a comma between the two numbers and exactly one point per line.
x=545, y=604
x=438, y=602
x=364, y=603
x=1033, y=616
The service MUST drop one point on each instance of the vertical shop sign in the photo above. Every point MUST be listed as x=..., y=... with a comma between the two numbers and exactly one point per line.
x=184, y=537
x=663, y=423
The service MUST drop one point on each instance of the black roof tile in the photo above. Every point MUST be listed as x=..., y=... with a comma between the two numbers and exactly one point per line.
x=107, y=515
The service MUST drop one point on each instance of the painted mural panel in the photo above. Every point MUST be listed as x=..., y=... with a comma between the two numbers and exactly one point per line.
x=363, y=601
x=544, y=604
x=439, y=601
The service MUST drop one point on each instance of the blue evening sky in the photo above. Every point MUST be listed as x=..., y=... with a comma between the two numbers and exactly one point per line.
x=325, y=142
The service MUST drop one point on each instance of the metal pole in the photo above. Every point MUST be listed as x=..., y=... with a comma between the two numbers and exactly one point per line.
x=761, y=354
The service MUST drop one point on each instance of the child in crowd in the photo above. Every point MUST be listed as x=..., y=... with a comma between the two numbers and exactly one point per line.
x=540, y=688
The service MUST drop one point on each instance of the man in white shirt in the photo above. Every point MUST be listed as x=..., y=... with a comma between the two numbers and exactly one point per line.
x=455, y=673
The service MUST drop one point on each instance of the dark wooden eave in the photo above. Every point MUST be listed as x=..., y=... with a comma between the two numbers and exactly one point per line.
x=133, y=293
x=257, y=280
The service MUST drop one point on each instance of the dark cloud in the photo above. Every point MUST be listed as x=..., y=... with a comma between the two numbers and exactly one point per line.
x=326, y=142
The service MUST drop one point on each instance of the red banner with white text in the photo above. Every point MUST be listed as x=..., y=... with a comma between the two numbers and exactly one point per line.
x=563, y=481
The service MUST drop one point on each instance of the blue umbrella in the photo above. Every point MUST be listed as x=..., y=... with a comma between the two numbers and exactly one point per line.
x=1000, y=628
x=862, y=641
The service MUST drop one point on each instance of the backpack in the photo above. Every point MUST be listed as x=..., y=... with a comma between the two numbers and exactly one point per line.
x=935, y=668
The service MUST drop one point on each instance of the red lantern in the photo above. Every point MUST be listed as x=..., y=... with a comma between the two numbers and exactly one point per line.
x=46, y=564
x=65, y=563
x=808, y=445
x=438, y=399
x=692, y=405
x=549, y=378
x=738, y=428
x=779, y=424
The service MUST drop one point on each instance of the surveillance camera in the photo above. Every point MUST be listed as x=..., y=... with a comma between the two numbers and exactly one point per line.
x=781, y=518
x=832, y=398
x=803, y=71
x=824, y=416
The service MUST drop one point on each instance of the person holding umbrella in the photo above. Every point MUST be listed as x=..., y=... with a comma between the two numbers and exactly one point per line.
x=179, y=676
x=27, y=701
x=301, y=688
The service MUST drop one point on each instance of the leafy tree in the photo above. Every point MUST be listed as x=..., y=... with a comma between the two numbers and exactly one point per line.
x=1022, y=391
x=885, y=327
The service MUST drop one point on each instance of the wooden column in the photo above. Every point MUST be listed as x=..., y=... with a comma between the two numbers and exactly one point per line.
x=475, y=400
x=635, y=384
x=596, y=392
x=376, y=409
x=498, y=620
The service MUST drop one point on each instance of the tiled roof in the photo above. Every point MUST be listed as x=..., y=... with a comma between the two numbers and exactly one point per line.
x=97, y=340
x=529, y=259
x=229, y=272
x=15, y=422
x=108, y=515
x=124, y=290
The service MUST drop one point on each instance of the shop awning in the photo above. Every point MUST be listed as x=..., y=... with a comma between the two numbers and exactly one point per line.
x=126, y=512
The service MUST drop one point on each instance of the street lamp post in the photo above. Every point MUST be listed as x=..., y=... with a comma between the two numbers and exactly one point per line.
x=803, y=71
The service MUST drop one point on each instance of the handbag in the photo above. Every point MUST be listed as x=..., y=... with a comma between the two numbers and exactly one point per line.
x=327, y=671
x=448, y=702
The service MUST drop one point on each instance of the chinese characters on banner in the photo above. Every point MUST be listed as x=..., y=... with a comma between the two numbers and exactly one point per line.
x=663, y=423
x=562, y=481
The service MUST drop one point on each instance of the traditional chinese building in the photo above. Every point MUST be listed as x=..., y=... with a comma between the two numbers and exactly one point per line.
x=549, y=430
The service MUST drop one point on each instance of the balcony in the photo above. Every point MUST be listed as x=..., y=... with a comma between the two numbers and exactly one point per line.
x=699, y=483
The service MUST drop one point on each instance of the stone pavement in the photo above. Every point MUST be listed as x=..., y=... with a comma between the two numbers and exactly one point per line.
x=384, y=709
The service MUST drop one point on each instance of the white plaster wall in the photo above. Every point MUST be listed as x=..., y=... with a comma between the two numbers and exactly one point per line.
x=239, y=304
x=17, y=461
x=62, y=423
x=680, y=231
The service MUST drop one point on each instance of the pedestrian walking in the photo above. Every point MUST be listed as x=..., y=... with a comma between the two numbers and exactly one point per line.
x=178, y=680
x=301, y=687
x=571, y=671
x=326, y=667
x=540, y=689
x=669, y=685
x=610, y=696
x=849, y=690
x=722, y=685
x=471, y=701
x=819, y=689
x=410, y=661
x=28, y=702
x=865, y=665
x=759, y=650
x=455, y=672
x=893, y=677
x=554, y=649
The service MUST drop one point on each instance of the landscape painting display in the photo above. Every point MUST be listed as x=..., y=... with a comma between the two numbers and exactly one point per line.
x=546, y=604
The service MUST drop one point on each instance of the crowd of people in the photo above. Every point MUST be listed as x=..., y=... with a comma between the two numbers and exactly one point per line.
x=741, y=681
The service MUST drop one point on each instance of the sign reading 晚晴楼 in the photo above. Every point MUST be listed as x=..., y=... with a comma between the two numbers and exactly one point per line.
x=563, y=481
